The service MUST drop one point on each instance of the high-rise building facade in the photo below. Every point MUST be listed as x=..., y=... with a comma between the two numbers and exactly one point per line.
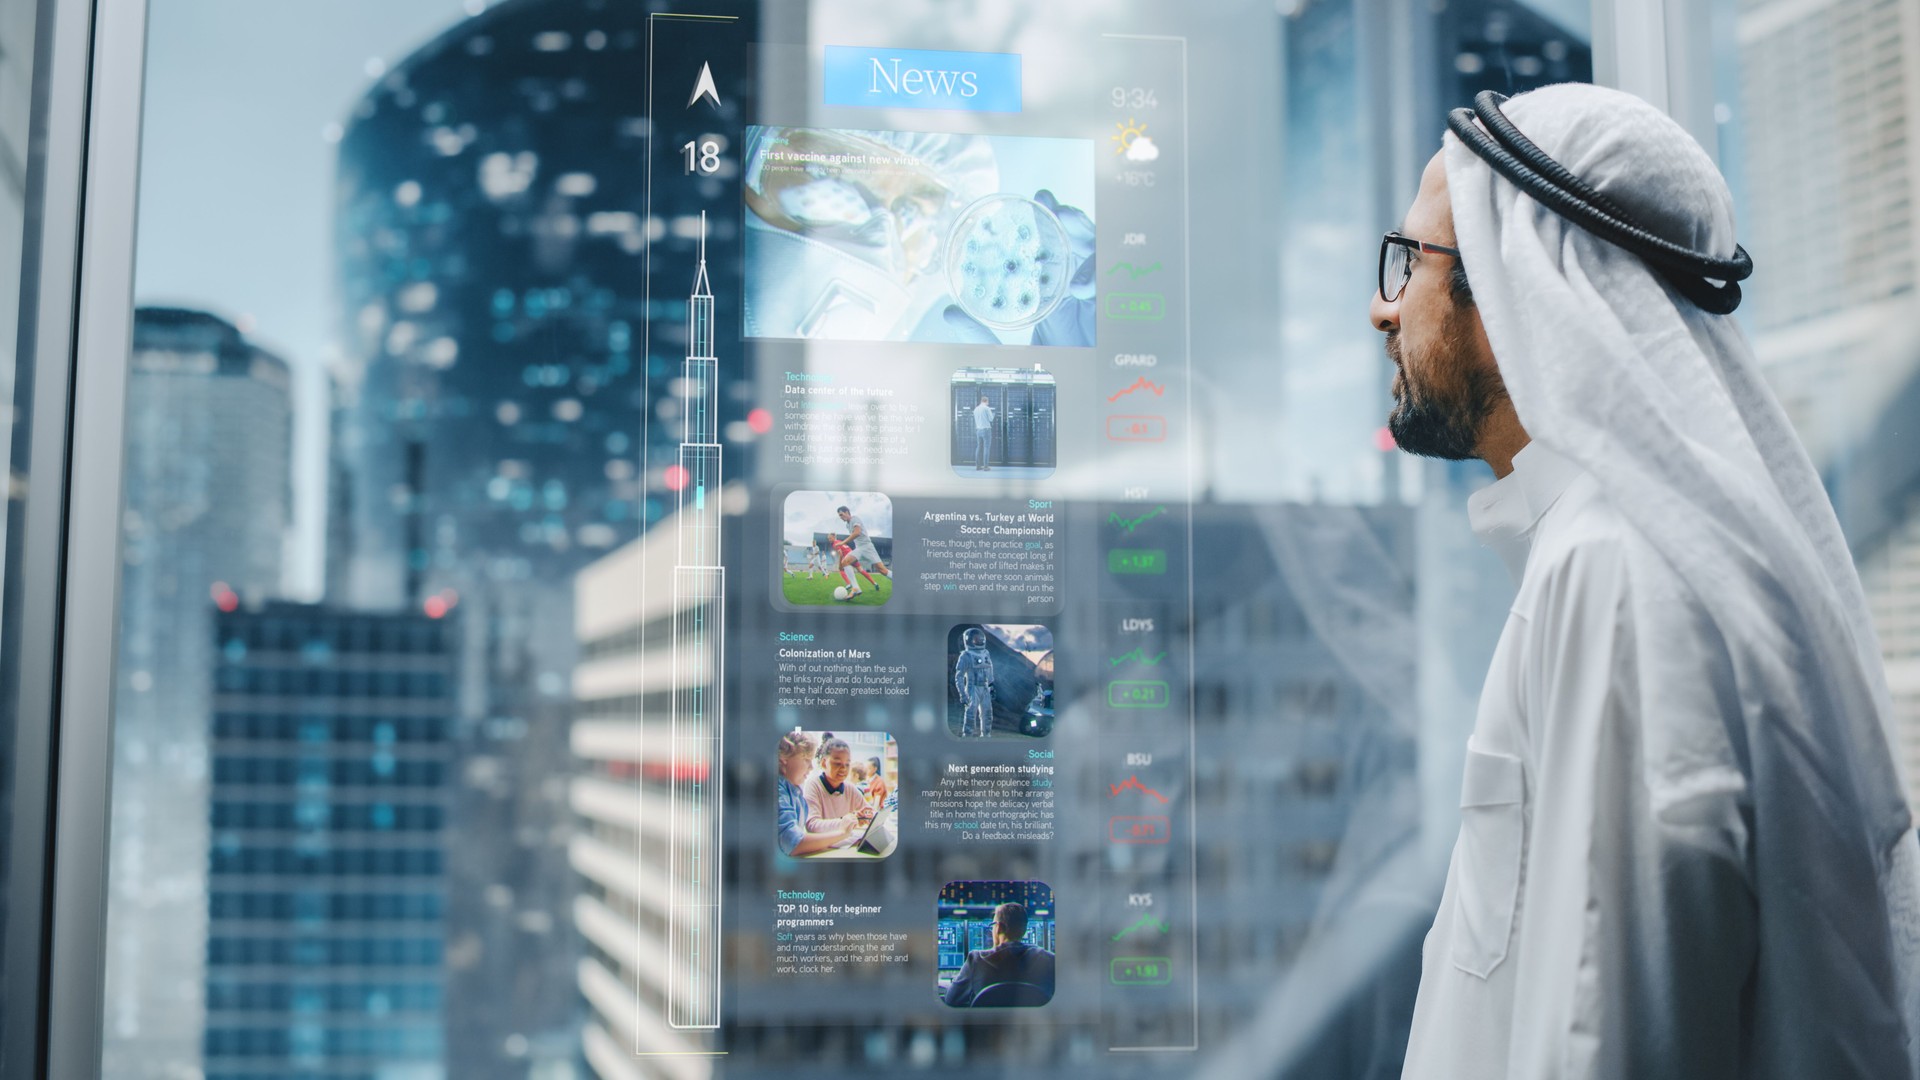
x=209, y=436
x=622, y=739
x=1829, y=157
x=326, y=878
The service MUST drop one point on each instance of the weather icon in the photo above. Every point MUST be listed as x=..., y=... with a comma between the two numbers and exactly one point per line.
x=1130, y=132
x=1142, y=149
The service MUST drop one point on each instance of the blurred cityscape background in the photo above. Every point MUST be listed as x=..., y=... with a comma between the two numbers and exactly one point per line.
x=397, y=442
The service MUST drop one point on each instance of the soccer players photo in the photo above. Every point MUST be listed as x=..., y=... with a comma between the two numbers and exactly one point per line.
x=860, y=555
x=848, y=537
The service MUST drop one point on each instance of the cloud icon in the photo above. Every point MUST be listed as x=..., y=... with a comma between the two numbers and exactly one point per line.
x=1141, y=148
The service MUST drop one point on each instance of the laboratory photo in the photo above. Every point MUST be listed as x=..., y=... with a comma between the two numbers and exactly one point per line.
x=919, y=236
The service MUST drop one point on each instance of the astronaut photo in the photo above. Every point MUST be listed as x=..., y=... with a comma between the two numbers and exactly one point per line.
x=1002, y=680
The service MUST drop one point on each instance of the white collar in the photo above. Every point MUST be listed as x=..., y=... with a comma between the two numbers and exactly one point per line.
x=1503, y=514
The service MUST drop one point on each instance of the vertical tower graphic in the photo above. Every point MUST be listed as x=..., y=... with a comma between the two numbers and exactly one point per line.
x=699, y=590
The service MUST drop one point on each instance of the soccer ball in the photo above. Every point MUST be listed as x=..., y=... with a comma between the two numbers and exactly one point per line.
x=840, y=592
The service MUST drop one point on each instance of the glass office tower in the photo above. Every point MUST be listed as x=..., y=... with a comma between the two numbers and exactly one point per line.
x=207, y=511
x=326, y=892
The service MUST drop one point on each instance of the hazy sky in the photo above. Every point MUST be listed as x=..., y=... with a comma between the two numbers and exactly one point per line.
x=237, y=177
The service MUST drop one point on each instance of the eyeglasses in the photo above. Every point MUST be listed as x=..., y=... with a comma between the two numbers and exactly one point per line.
x=1396, y=262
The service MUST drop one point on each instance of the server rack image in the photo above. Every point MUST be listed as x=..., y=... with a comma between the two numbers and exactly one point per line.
x=1003, y=422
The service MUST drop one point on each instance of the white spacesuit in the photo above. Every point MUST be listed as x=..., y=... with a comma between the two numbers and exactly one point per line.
x=973, y=680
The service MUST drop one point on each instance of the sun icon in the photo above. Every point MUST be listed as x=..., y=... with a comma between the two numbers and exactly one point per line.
x=1129, y=131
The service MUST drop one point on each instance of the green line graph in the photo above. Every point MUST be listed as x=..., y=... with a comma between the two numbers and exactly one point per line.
x=1127, y=525
x=1137, y=656
x=1144, y=922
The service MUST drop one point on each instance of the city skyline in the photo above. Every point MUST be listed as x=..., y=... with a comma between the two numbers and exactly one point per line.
x=283, y=188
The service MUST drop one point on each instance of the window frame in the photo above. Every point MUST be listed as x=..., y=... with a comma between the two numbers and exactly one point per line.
x=90, y=71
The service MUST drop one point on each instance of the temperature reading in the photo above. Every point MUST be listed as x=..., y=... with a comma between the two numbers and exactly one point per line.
x=702, y=158
x=1134, y=97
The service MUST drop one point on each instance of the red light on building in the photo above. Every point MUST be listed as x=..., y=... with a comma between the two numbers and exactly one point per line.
x=1383, y=440
x=667, y=770
x=224, y=597
x=760, y=420
x=435, y=607
x=675, y=477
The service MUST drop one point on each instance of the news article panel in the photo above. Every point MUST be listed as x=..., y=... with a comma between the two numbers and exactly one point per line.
x=915, y=605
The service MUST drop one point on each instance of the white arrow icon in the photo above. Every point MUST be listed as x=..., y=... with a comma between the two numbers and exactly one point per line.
x=703, y=87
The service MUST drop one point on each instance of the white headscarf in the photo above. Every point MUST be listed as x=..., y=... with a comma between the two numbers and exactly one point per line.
x=1663, y=404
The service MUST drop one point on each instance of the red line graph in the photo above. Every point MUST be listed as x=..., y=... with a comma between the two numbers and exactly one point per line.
x=1133, y=783
x=1141, y=383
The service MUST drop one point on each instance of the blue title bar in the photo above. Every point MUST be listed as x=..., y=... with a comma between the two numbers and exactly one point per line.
x=921, y=79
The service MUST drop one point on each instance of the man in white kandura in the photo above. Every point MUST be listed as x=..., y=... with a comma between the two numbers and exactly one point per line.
x=1684, y=848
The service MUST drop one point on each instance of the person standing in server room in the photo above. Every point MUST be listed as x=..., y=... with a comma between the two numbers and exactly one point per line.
x=982, y=434
x=1684, y=848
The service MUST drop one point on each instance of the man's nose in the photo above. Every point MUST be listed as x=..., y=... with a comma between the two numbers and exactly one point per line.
x=1382, y=315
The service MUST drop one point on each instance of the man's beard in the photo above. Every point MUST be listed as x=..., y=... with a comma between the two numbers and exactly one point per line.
x=1441, y=416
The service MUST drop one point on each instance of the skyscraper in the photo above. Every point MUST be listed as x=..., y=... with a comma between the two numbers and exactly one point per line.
x=622, y=739
x=326, y=882
x=491, y=230
x=209, y=432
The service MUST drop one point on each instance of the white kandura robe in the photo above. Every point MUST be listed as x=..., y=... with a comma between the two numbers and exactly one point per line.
x=1596, y=913
x=1709, y=866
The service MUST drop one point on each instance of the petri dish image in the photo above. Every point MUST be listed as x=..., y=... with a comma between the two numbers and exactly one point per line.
x=1008, y=261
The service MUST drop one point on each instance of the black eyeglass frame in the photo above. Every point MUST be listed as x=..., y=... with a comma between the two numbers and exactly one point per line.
x=1394, y=239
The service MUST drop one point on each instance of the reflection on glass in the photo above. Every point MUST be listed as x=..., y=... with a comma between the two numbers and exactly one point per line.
x=18, y=290
x=394, y=783
x=1815, y=118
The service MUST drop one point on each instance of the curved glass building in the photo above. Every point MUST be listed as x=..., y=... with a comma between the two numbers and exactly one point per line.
x=492, y=240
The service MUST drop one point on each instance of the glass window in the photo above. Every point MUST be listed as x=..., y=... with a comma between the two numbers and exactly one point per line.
x=1817, y=127
x=445, y=377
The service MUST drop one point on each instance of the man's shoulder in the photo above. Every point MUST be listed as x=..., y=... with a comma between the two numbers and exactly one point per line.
x=1585, y=544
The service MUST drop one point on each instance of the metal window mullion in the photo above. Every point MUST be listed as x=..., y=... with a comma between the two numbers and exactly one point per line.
x=43, y=376
x=1660, y=51
x=89, y=560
